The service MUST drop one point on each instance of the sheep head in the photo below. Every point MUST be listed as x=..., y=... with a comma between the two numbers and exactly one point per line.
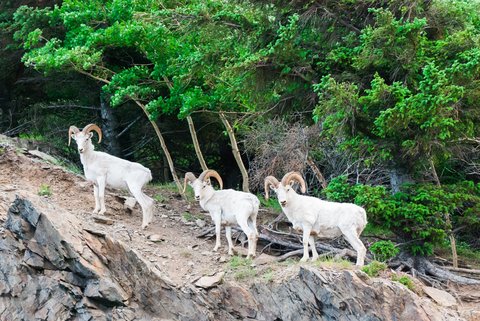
x=189, y=178
x=83, y=138
x=285, y=190
x=270, y=182
x=202, y=185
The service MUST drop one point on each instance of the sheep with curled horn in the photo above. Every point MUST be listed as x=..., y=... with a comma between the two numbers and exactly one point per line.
x=317, y=217
x=104, y=169
x=226, y=207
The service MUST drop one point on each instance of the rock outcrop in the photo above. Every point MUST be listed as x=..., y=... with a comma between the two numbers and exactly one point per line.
x=52, y=269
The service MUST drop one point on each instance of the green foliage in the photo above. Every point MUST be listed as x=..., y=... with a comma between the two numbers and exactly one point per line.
x=44, y=190
x=189, y=217
x=405, y=280
x=384, y=250
x=417, y=213
x=374, y=268
x=339, y=190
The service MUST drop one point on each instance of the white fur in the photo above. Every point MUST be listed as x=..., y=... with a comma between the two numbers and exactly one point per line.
x=229, y=207
x=324, y=219
x=104, y=169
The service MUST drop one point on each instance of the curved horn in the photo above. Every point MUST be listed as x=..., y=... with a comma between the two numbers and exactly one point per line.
x=211, y=173
x=72, y=130
x=270, y=180
x=189, y=177
x=296, y=176
x=94, y=127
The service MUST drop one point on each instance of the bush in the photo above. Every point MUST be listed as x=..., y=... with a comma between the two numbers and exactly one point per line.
x=384, y=250
x=373, y=269
x=418, y=212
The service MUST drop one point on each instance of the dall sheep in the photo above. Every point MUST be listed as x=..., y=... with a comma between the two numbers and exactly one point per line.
x=104, y=169
x=317, y=217
x=226, y=207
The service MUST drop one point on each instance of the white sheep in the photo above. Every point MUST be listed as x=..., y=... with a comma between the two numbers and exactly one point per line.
x=314, y=216
x=104, y=169
x=226, y=207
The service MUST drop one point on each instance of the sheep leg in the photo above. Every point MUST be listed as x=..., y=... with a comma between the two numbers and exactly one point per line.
x=354, y=240
x=253, y=226
x=97, y=201
x=306, y=237
x=217, y=219
x=101, y=194
x=146, y=203
x=313, y=247
x=228, y=233
x=252, y=237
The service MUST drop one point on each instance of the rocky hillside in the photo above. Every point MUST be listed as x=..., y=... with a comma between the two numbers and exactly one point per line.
x=58, y=262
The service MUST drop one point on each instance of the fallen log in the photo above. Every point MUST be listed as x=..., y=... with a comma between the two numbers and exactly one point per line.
x=422, y=267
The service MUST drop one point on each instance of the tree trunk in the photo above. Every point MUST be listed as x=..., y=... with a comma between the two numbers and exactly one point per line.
x=198, y=151
x=451, y=236
x=109, y=128
x=236, y=152
x=164, y=148
x=317, y=172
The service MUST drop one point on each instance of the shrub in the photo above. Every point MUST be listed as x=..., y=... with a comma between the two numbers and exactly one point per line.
x=405, y=280
x=384, y=250
x=373, y=269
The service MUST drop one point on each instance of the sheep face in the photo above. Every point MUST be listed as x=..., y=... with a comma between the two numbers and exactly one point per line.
x=283, y=193
x=200, y=188
x=84, y=141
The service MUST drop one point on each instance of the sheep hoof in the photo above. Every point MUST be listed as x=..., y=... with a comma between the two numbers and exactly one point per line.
x=304, y=259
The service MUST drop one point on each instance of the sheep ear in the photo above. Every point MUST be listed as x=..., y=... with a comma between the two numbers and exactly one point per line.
x=190, y=183
x=209, y=182
x=272, y=187
x=90, y=135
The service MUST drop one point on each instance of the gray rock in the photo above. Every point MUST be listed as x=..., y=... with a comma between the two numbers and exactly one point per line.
x=441, y=297
x=90, y=276
x=210, y=281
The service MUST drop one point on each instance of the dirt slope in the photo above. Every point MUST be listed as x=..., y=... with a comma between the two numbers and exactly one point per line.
x=182, y=255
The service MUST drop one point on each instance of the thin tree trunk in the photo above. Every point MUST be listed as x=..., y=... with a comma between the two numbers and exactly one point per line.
x=164, y=148
x=236, y=152
x=317, y=172
x=198, y=151
x=451, y=236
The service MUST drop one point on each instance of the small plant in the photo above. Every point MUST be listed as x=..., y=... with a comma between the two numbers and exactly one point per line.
x=44, y=190
x=242, y=268
x=268, y=275
x=384, y=250
x=337, y=263
x=405, y=280
x=373, y=269
x=188, y=217
x=246, y=273
x=159, y=198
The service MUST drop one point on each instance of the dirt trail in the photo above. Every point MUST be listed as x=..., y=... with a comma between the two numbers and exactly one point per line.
x=178, y=252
